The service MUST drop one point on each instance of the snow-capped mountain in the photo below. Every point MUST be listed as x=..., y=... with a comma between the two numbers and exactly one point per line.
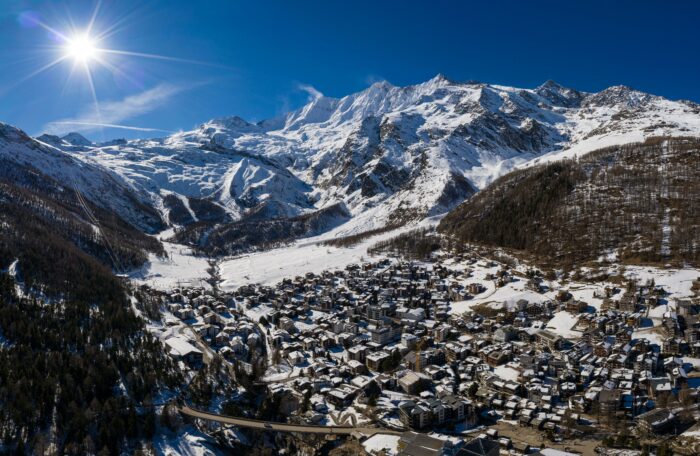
x=390, y=152
x=32, y=163
x=199, y=172
x=71, y=141
x=386, y=154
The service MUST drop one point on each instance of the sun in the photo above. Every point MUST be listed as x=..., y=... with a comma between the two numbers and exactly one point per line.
x=88, y=49
x=82, y=48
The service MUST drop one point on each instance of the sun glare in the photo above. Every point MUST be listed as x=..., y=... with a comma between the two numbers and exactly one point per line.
x=82, y=48
x=87, y=49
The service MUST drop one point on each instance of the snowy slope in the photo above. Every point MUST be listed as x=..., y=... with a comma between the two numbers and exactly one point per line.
x=390, y=154
x=26, y=161
x=235, y=181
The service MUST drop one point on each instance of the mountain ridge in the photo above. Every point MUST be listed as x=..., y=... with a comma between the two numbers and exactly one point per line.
x=388, y=154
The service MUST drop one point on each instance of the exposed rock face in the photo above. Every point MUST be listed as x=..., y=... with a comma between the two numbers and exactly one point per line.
x=259, y=233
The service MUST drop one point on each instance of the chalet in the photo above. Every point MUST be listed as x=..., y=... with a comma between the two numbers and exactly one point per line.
x=655, y=421
x=377, y=360
x=415, y=444
x=181, y=349
x=480, y=447
x=549, y=339
x=413, y=382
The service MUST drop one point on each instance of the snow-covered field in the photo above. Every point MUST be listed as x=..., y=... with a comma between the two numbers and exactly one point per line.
x=189, y=442
x=561, y=324
x=180, y=268
x=306, y=255
x=676, y=282
x=379, y=442
x=271, y=266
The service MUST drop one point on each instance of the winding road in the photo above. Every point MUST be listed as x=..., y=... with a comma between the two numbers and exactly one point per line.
x=285, y=427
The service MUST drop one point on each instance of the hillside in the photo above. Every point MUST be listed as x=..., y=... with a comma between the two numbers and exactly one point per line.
x=51, y=231
x=638, y=202
x=78, y=371
x=30, y=163
x=258, y=234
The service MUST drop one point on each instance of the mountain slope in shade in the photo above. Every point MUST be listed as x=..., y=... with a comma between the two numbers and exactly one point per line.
x=637, y=202
x=55, y=233
x=24, y=160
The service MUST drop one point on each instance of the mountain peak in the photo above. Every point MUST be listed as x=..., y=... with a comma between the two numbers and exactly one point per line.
x=12, y=133
x=439, y=80
x=440, y=77
x=558, y=95
x=76, y=139
x=231, y=122
x=383, y=84
x=316, y=111
x=50, y=139
x=551, y=84
x=621, y=95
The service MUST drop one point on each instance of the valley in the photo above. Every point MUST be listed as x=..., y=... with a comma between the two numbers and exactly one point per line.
x=457, y=266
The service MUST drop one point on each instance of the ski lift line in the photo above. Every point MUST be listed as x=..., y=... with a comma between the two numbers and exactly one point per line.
x=95, y=222
x=93, y=219
x=89, y=213
x=85, y=208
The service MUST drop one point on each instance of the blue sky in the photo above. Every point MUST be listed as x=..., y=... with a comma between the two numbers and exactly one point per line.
x=260, y=58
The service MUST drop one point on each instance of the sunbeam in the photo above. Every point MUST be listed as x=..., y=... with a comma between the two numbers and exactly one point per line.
x=114, y=69
x=93, y=18
x=93, y=91
x=160, y=57
x=40, y=70
x=51, y=30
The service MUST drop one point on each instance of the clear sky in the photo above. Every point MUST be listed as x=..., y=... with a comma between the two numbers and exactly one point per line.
x=257, y=59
